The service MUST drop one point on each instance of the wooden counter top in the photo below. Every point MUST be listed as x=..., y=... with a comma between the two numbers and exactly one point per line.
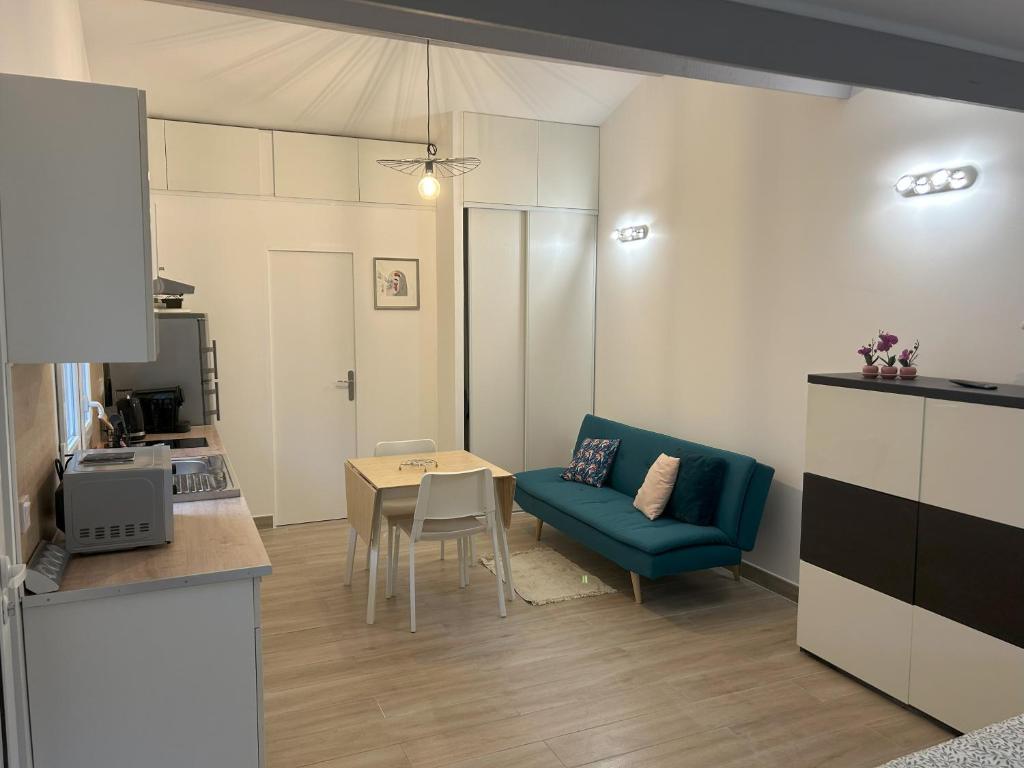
x=214, y=541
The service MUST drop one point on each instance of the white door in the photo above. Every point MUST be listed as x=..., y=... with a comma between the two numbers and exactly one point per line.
x=495, y=280
x=312, y=334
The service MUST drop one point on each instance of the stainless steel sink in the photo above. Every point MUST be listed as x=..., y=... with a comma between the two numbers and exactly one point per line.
x=200, y=478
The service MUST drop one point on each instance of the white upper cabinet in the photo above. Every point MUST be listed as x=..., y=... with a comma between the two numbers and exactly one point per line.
x=384, y=185
x=74, y=222
x=507, y=148
x=157, y=156
x=567, y=166
x=314, y=166
x=212, y=158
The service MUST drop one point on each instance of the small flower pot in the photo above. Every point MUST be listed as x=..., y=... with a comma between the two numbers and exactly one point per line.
x=908, y=372
x=869, y=371
x=888, y=371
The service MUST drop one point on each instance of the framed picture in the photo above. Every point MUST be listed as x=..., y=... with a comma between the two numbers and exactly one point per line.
x=396, y=284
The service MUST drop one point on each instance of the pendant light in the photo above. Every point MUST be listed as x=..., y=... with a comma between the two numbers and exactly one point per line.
x=430, y=169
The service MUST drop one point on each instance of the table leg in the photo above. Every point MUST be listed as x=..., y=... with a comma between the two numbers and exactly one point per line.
x=371, y=593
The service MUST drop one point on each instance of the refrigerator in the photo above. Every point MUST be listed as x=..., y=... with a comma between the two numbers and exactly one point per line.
x=186, y=358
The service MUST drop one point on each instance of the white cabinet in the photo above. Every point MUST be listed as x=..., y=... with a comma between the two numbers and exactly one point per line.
x=317, y=167
x=507, y=148
x=161, y=679
x=74, y=222
x=384, y=185
x=567, y=165
x=213, y=158
x=157, y=154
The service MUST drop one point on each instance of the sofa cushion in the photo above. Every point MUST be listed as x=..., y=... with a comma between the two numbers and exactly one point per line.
x=591, y=462
x=640, y=448
x=658, y=486
x=612, y=513
x=697, y=489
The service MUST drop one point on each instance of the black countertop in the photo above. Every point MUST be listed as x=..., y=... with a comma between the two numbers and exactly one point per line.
x=1007, y=396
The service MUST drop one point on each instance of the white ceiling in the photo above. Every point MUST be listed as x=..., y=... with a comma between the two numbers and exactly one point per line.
x=222, y=68
x=994, y=27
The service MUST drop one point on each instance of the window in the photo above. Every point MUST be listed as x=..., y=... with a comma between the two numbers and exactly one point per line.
x=73, y=397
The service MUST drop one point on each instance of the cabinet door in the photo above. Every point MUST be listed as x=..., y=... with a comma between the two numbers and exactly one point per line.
x=972, y=461
x=961, y=676
x=860, y=630
x=316, y=167
x=384, y=185
x=74, y=207
x=870, y=439
x=212, y=158
x=160, y=679
x=157, y=155
x=561, y=260
x=507, y=148
x=567, y=166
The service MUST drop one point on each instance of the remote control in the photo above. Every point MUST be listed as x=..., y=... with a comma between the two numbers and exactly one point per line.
x=973, y=384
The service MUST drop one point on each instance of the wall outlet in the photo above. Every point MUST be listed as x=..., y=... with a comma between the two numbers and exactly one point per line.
x=25, y=505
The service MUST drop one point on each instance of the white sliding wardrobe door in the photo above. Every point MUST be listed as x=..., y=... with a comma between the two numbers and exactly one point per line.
x=312, y=334
x=561, y=268
x=496, y=336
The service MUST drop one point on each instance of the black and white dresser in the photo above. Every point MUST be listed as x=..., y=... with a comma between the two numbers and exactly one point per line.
x=912, y=547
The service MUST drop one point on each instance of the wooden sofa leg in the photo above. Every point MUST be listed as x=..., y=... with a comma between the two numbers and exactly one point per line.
x=540, y=526
x=735, y=571
x=635, y=578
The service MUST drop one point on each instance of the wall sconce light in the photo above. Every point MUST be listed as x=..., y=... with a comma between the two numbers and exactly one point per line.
x=629, y=234
x=942, y=180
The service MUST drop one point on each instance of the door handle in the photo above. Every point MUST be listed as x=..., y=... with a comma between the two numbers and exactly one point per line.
x=349, y=383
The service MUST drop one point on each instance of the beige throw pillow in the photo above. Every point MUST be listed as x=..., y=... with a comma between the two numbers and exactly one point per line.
x=654, y=493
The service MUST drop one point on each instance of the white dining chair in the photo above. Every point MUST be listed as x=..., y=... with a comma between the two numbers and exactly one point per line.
x=395, y=503
x=451, y=505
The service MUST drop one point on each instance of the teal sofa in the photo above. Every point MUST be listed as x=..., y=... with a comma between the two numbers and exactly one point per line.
x=605, y=520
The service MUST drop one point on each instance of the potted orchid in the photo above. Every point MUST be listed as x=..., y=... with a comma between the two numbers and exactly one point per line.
x=870, y=370
x=908, y=361
x=884, y=346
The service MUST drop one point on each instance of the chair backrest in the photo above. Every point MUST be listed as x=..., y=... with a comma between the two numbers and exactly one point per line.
x=447, y=495
x=398, y=447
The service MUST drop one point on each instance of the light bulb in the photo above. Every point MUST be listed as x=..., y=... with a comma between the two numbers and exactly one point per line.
x=904, y=184
x=429, y=187
x=958, y=179
x=940, y=179
x=922, y=186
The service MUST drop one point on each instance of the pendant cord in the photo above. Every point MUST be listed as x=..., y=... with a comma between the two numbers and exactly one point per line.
x=429, y=145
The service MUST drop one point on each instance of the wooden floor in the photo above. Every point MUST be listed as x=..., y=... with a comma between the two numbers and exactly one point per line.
x=705, y=673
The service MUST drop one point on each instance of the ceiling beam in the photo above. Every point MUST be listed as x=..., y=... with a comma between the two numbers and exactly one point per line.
x=670, y=36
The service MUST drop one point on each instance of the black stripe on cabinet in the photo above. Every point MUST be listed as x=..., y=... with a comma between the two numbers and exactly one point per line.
x=971, y=570
x=863, y=535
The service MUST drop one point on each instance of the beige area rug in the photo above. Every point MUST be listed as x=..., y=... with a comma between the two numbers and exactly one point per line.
x=541, y=576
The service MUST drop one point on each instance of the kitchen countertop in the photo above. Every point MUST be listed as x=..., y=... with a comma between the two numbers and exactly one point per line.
x=214, y=541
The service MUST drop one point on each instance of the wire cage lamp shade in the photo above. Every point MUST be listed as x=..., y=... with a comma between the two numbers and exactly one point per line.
x=431, y=168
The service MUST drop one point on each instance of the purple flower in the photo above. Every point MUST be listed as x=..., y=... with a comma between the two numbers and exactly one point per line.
x=886, y=341
x=865, y=351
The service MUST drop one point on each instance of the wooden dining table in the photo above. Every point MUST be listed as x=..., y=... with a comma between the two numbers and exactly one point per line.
x=368, y=479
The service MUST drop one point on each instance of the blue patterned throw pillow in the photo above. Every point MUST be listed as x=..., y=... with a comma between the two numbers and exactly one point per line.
x=591, y=462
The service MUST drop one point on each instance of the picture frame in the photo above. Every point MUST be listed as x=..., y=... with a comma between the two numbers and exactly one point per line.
x=396, y=283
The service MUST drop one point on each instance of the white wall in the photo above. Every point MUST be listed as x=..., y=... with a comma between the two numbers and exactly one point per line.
x=42, y=38
x=778, y=246
x=220, y=244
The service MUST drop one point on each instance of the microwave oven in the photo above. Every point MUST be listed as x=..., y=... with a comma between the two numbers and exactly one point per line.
x=118, y=498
